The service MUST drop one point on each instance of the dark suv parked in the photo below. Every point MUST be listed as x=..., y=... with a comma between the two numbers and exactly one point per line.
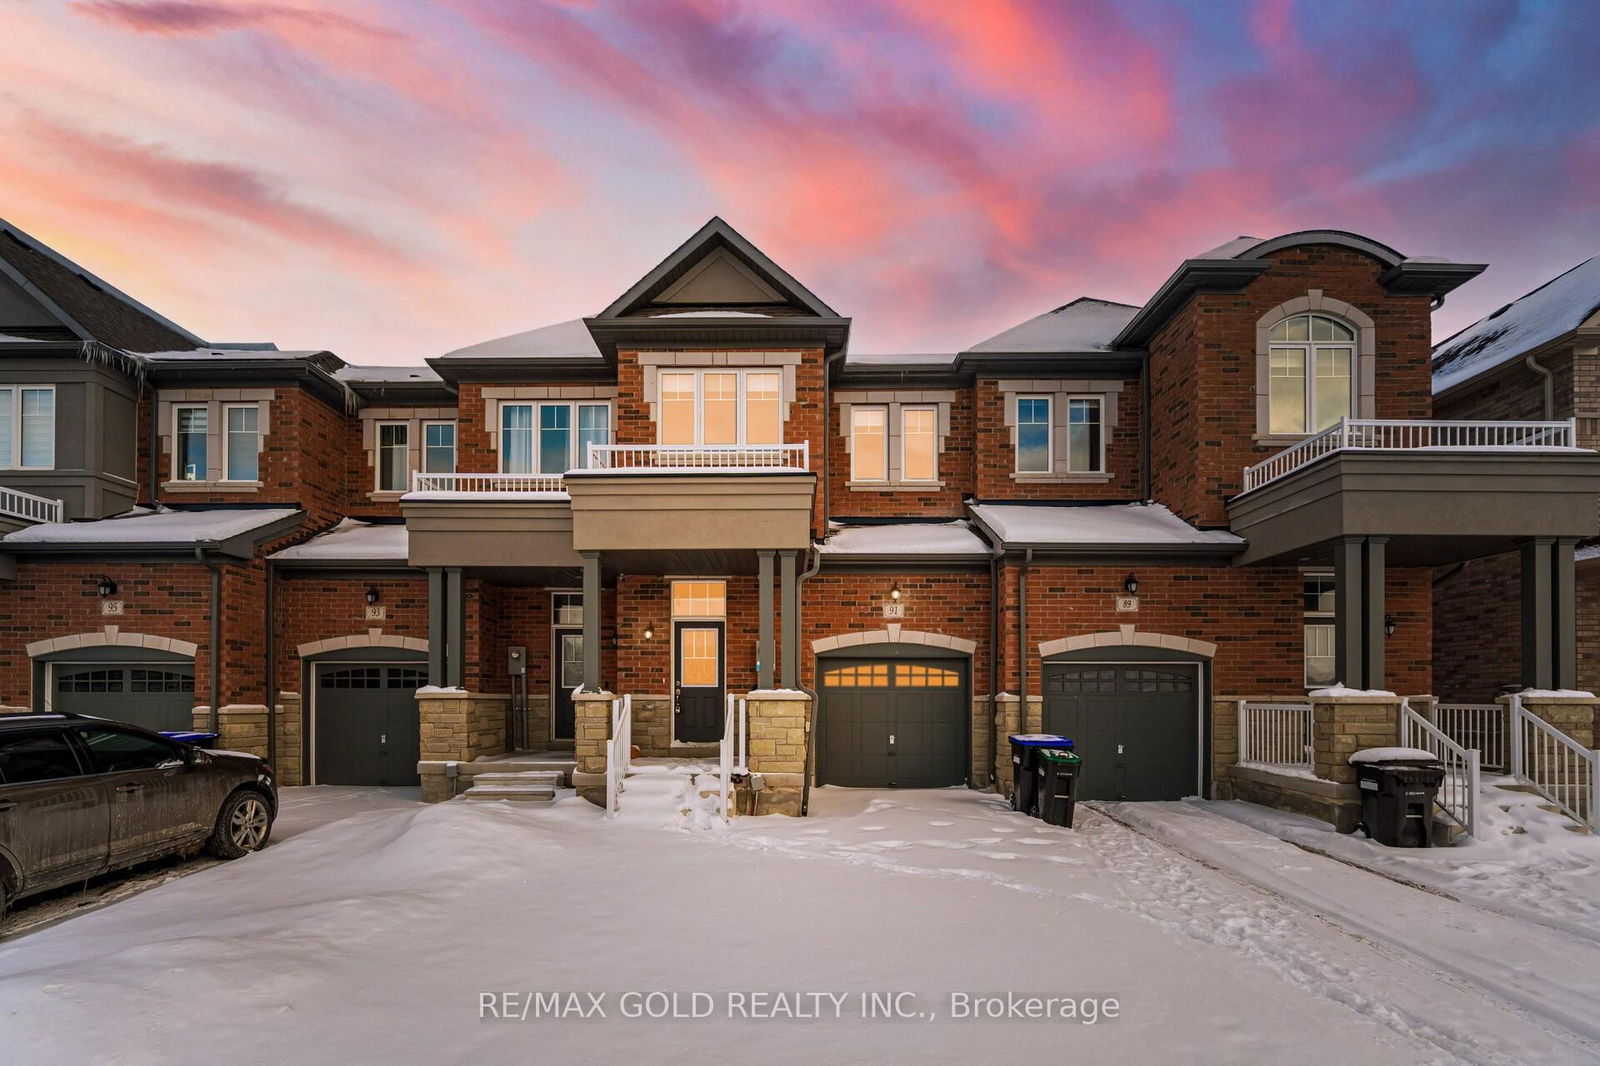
x=80, y=796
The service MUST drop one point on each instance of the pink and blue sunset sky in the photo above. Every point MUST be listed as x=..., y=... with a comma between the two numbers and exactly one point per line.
x=391, y=180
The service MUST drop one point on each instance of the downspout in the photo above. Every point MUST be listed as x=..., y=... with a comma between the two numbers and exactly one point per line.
x=272, y=667
x=1144, y=428
x=995, y=553
x=216, y=638
x=155, y=448
x=827, y=441
x=811, y=746
x=1022, y=641
x=1549, y=387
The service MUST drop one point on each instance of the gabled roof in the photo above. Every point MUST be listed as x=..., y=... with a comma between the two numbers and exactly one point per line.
x=1083, y=325
x=87, y=307
x=1531, y=321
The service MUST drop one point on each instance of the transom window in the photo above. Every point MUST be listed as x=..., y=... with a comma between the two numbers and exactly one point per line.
x=566, y=608
x=1311, y=364
x=27, y=427
x=550, y=438
x=720, y=407
x=699, y=599
x=1317, y=598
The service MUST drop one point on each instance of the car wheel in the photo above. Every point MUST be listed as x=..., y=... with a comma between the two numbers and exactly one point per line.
x=243, y=825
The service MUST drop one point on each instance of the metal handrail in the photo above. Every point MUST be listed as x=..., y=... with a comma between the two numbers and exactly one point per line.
x=1458, y=793
x=1277, y=735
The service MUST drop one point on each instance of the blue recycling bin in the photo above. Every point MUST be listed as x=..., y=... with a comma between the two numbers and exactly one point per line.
x=1025, y=766
x=189, y=736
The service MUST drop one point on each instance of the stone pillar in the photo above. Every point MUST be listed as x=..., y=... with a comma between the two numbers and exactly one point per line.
x=291, y=770
x=591, y=621
x=1342, y=726
x=240, y=727
x=1008, y=720
x=592, y=728
x=1358, y=575
x=778, y=725
x=765, y=652
x=1549, y=614
x=790, y=599
x=1573, y=715
x=980, y=772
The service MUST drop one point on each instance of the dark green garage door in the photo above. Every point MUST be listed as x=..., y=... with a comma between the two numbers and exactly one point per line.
x=155, y=695
x=367, y=729
x=1136, y=727
x=895, y=724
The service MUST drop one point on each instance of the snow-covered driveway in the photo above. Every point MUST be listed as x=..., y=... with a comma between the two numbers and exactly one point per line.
x=374, y=937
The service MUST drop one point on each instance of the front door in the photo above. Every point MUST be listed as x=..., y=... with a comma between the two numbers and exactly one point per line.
x=699, y=689
x=568, y=672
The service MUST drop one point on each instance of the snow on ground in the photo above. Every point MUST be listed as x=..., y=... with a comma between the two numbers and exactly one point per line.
x=370, y=929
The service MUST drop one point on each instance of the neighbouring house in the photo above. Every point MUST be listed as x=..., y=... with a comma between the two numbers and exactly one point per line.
x=1139, y=526
x=1535, y=359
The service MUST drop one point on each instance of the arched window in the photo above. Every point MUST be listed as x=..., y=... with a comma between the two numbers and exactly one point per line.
x=1312, y=362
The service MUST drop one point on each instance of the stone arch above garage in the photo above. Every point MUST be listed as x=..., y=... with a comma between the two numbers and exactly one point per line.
x=372, y=638
x=893, y=635
x=111, y=637
x=1127, y=636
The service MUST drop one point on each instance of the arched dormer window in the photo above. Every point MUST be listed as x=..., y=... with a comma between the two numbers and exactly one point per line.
x=1311, y=373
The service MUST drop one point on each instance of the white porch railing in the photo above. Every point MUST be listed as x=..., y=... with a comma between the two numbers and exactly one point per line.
x=421, y=482
x=1368, y=434
x=14, y=503
x=619, y=750
x=1475, y=725
x=1275, y=735
x=1558, y=767
x=700, y=456
x=1458, y=793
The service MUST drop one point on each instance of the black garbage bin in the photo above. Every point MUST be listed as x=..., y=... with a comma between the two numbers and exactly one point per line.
x=1057, y=791
x=1397, y=797
x=1024, y=767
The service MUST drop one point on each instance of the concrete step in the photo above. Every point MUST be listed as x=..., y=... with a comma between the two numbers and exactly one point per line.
x=515, y=793
x=519, y=777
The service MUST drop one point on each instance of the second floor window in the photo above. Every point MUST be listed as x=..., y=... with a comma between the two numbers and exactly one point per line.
x=394, y=456
x=1309, y=374
x=189, y=436
x=1085, y=439
x=438, y=447
x=550, y=438
x=242, y=448
x=919, y=444
x=720, y=407
x=1033, y=434
x=27, y=427
x=869, y=444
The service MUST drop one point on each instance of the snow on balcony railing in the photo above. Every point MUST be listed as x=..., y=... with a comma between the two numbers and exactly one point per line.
x=1367, y=434
x=697, y=457
x=486, y=483
x=14, y=503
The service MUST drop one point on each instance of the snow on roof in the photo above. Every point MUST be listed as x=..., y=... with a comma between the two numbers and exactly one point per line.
x=900, y=359
x=358, y=375
x=1231, y=249
x=905, y=538
x=1084, y=325
x=352, y=539
x=266, y=355
x=563, y=340
x=142, y=526
x=1554, y=309
x=1113, y=524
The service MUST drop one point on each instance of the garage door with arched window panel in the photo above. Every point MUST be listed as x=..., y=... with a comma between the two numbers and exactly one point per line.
x=1135, y=725
x=366, y=729
x=893, y=723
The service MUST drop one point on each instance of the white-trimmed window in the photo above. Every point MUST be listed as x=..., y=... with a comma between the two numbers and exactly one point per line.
x=438, y=447
x=394, y=456
x=190, y=444
x=919, y=443
x=1318, y=601
x=719, y=407
x=550, y=437
x=869, y=443
x=241, y=442
x=27, y=427
x=1086, y=440
x=699, y=599
x=1035, y=435
x=1311, y=369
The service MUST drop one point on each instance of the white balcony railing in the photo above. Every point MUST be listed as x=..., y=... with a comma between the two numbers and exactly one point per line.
x=14, y=503
x=697, y=457
x=1365, y=434
x=486, y=483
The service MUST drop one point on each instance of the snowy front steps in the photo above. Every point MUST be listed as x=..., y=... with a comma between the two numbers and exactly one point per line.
x=527, y=786
x=1569, y=824
x=672, y=794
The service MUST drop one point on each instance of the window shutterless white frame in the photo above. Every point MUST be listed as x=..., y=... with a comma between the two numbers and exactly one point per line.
x=1338, y=337
x=14, y=403
x=696, y=379
x=861, y=417
x=577, y=452
x=1318, y=628
x=178, y=435
x=381, y=451
x=428, y=446
x=227, y=441
x=932, y=413
x=1049, y=432
x=1099, y=458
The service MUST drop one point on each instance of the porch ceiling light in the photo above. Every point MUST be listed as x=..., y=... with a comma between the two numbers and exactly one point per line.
x=373, y=595
x=1388, y=625
x=1131, y=585
x=106, y=588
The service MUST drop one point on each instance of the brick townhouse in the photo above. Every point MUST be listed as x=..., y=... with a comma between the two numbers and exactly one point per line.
x=1110, y=521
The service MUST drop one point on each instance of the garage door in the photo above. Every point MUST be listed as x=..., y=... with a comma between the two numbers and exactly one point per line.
x=154, y=695
x=893, y=724
x=1136, y=727
x=366, y=724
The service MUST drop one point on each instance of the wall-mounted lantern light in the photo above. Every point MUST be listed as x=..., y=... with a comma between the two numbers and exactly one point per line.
x=1388, y=625
x=894, y=593
x=373, y=596
x=649, y=631
x=107, y=588
x=1130, y=584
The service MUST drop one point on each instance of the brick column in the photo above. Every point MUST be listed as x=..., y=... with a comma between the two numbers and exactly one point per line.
x=591, y=728
x=1342, y=726
x=778, y=724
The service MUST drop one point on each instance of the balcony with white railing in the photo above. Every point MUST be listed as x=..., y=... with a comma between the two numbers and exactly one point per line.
x=700, y=458
x=26, y=507
x=487, y=484
x=1374, y=435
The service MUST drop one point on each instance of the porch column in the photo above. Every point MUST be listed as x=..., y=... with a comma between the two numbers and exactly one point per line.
x=591, y=621
x=455, y=628
x=764, y=647
x=791, y=620
x=1358, y=576
x=436, y=626
x=1549, y=614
